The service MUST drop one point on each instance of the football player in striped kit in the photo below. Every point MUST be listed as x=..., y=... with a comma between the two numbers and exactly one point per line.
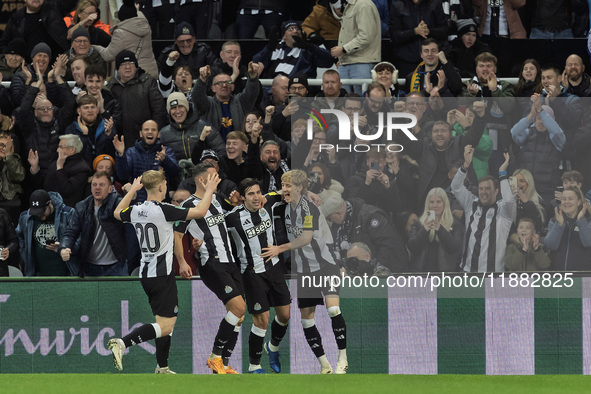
x=251, y=228
x=217, y=269
x=311, y=243
x=153, y=221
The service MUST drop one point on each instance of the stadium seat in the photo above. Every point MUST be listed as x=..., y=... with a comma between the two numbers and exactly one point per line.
x=14, y=272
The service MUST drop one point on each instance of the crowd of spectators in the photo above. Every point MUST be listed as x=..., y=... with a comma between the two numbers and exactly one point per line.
x=493, y=176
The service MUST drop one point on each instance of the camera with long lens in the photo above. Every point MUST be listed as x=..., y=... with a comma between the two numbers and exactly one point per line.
x=357, y=267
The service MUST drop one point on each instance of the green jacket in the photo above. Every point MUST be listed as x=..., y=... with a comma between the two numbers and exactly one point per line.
x=12, y=173
x=6, y=71
x=482, y=151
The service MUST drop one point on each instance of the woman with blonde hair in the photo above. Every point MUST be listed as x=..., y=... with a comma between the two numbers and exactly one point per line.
x=435, y=239
x=529, y=202
x=569, y=233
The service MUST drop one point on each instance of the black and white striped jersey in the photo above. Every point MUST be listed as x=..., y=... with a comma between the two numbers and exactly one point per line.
x=318, y=253
x=211, y=229
x=276, y=208
x=251, y=231
x=153, y=222
x=487, y=229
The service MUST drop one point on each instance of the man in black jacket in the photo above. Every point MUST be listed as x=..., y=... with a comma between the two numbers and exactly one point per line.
x=229, y=63
x=193, y=54
x=37, y=22
x=68, y=175
x=354, y=221
x=410, y=23
x=138, y=96
x=94, y=234
x=41, y=124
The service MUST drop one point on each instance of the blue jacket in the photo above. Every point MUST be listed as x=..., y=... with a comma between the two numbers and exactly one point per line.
x=24, y=231
x=99, y=144
x=137, y=160
x=79, y=235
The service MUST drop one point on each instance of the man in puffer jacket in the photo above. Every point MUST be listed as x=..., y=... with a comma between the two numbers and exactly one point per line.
x=148, y=153
x=185, y=128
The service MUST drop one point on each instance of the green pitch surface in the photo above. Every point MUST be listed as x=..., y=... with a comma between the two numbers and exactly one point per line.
x=167, y=384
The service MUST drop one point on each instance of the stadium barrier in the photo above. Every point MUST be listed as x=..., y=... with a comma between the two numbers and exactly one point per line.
x=61, y=325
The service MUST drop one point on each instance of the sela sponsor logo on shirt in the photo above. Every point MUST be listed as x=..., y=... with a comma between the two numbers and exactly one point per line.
x=391, y=121
x=296, y=231
x=258, y=229
x=214, y=220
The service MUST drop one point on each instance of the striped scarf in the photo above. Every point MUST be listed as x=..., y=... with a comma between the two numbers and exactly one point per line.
x=284, y=59
x=415, y=82
x=272, y=182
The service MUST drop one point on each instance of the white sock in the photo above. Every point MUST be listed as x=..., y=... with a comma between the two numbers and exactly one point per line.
x=252, y=367
x=273, y=348
x=342, y=354
x=323, y=361
x=212, y=356
x=281, y=324
x=157, y=329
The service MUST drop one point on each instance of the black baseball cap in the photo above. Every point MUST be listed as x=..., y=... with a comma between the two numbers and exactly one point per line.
x=39, y=201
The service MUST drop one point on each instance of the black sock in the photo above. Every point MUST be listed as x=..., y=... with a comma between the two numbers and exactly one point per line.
x=314, y=340
x=255, y=348
x=162, y=350
x=229, y=348
x=340, y=331
x=139, y=335
x=221, y=339
x=277, y=332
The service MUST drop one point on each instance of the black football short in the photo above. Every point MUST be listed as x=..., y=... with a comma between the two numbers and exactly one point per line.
x=265, y=290
x=224, y=279
x=162, y=295
x=313, y=286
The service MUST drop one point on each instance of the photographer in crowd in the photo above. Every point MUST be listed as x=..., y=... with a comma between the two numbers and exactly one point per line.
x=354, y=221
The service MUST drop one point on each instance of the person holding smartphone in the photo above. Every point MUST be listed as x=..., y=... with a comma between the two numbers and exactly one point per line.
x=372, y=184
x=569, y=233
x=435, y=239
x=39, y=230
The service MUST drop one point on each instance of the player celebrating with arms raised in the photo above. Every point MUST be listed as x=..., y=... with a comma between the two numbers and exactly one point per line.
x=218, y=271
x=251, y=227
x=310, y=237
x=153, y=222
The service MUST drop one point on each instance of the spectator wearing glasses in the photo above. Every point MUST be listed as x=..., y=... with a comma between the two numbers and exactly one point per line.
x=225, y=111
x=292, y=53
x=190, y=52
x=81, y=47
x=41, y=125
x=132, y=33
x=138, y=96
x=229, y=63
x=68, y=175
